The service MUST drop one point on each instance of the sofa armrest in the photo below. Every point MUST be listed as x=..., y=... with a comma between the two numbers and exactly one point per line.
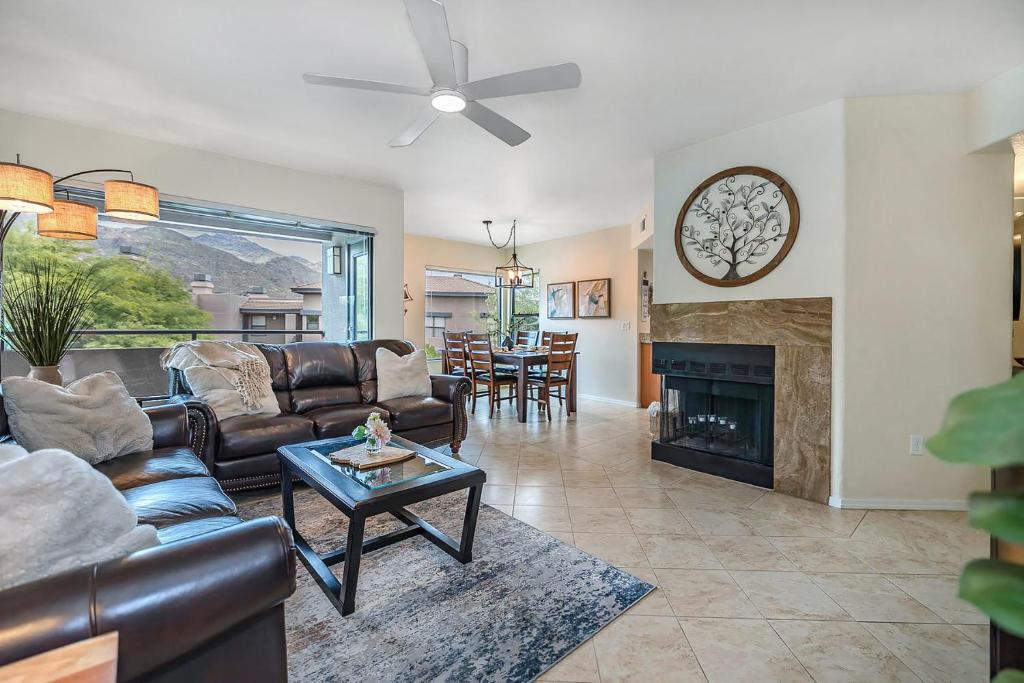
x=455, y=390
x=164, y=602
x=450, y=388
x=202, y=425
x=170, y=425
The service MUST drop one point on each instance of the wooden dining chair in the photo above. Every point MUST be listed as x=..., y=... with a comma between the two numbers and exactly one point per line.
x=557, y=375
x=526, y=338
x=484, y=373
x=455, y=349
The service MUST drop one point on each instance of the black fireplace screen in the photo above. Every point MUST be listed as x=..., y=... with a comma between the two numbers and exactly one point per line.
x=723, y=418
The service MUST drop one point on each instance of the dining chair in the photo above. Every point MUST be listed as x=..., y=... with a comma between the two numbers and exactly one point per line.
x=526, y=337
x=558, y=374
x=483, y=372
x=455, y=349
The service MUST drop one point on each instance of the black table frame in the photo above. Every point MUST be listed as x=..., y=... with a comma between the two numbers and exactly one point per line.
x=358, y=503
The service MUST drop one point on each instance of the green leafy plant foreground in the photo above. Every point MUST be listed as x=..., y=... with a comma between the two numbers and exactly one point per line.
x=43, y=309
x=984, y=427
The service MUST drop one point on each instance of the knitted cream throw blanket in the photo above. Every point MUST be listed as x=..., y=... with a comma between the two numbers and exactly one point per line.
x=251, y=373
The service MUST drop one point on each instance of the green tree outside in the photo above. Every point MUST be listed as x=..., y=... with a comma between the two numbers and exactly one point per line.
x=133, y=294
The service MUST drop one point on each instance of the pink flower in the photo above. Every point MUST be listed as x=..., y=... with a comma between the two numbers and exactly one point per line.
x=378, y=428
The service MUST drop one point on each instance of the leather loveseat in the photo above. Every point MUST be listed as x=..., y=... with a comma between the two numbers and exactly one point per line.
x=324, y=390
x=205, y=605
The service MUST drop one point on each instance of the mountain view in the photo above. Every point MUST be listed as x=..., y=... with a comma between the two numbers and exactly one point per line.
x=235, y=262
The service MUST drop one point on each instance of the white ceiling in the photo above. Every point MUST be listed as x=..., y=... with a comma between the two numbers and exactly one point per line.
x=224, y=76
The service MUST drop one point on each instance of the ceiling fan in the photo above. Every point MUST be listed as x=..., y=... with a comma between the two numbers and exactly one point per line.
x=452, y=93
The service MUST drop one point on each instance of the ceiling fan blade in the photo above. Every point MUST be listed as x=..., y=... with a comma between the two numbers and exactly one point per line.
x=338, y=81
x=422, y=122
x=430, y=24
x=495, y=124
x=546, y=78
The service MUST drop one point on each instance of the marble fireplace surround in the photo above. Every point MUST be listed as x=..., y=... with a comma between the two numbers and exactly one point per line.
x=801, y=332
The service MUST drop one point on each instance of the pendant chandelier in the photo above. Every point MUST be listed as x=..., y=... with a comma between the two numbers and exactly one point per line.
x=514, y=274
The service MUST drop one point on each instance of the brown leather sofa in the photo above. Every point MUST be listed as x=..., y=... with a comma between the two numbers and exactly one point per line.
x=205, y=605
x=324, y=390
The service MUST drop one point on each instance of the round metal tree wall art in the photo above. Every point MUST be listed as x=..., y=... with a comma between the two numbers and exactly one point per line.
x=737, y=226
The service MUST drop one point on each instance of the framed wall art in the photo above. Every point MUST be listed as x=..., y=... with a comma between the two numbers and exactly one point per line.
x=594, y=298
x=737, y=226
x=561, y=298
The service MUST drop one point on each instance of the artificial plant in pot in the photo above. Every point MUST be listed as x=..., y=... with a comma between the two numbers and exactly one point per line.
x=44, y=309
x=985, y=427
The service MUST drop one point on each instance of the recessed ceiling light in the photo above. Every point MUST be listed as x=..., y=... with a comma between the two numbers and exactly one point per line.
x=448, y=101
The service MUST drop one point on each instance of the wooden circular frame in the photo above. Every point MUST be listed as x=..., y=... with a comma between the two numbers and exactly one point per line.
x=794, y=225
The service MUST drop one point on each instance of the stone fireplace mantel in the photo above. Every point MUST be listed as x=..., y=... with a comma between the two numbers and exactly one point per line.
x=801, y=332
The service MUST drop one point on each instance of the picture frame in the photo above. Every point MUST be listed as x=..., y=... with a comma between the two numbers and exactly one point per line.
x=561, y=300
x=737, y=226
x=594, y=298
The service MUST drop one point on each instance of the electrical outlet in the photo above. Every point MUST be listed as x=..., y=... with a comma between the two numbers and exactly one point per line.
x=916, y=444
x=626, y=326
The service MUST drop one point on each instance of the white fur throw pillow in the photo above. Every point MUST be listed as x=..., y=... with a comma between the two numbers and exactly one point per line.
x=93, y=417
x=399, y=376
x=58, y=513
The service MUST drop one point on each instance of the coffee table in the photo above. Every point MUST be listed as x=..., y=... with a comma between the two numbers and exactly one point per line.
x=364, y=493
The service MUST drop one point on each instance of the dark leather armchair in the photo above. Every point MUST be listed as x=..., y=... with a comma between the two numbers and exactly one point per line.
x=324, y=390
x=205, y=605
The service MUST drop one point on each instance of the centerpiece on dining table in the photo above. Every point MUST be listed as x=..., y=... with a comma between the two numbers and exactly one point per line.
x=375, y=450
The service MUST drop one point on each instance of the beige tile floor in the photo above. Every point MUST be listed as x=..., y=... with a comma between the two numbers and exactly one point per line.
x=752, y=585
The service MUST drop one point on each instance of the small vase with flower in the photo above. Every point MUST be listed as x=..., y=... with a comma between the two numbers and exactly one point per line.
x=375, y=431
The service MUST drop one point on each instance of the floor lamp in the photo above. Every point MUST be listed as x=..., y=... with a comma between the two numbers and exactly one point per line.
x=28, y=190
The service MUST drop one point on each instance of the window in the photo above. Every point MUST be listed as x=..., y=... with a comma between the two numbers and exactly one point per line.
x=204, y=266
x=436, y=324
x=526, y=307
x=457, y=301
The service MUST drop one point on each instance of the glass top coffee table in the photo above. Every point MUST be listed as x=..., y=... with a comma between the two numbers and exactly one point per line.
x=360, y=494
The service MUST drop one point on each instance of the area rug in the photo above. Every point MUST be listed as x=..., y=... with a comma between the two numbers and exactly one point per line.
x=523, y=603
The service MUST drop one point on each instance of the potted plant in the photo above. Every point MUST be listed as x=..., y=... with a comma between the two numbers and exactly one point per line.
x=984, y=427
x=44, y=309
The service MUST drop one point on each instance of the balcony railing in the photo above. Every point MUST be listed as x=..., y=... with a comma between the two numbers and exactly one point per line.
x=138, y=367
x=194, y=334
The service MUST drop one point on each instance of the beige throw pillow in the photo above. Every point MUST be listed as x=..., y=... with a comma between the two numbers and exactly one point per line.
x=399, y=376
x=217, y=388
x=58, y=513
x=93, y=417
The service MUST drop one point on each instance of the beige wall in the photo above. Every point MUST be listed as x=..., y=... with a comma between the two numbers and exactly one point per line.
x=928, y=275
x=910, y=236
x=63, y=148
x=995, y=111
x=806, y=149
x=608, y=353
x=421, y=252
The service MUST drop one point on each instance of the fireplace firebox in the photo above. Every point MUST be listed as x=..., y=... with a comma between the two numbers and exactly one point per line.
x=717, y=409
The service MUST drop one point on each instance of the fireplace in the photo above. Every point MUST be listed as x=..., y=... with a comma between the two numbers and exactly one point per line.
x=717, y=409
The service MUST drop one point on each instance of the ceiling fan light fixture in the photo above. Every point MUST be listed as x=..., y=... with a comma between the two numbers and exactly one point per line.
x=448, y=101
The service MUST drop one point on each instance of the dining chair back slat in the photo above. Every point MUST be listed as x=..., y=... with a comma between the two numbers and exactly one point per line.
x=526, y=338
x=455, y=347
x=480, y=352
x=560, y=355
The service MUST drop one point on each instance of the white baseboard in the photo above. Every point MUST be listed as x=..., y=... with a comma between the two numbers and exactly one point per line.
x=896, y=504
x=605, y=399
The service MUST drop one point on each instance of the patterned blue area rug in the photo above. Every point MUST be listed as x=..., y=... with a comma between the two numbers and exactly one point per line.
x=523, y=603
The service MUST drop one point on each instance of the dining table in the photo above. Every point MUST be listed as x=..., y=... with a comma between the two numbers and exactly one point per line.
x=522, y=361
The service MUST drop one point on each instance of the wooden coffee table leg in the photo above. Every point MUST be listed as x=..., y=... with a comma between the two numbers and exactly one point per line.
x=353, y=553
x=287, y=500
x=469, y=525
